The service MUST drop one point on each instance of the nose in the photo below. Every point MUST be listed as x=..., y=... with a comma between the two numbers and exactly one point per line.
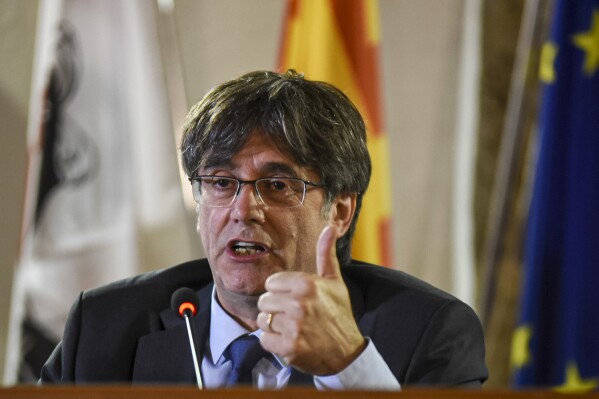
x=247, y=207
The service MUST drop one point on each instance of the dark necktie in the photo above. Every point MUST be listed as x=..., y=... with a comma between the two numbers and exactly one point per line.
x=245, y=352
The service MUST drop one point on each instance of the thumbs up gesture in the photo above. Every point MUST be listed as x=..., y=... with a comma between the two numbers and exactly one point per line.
x=311, y=321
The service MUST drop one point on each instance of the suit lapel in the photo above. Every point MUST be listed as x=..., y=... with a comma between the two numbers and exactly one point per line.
x=364, y=319
x=164, y=356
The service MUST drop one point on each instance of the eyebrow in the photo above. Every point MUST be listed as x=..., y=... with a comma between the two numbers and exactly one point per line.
x=279, y=167
x=267, y=168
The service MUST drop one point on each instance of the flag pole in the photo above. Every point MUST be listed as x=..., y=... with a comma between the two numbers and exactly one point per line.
x=512, y=150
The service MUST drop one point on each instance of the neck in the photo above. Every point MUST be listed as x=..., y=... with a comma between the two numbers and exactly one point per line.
x=244, y=309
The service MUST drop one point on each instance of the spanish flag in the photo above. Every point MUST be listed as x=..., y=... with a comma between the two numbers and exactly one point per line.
x=337, y=41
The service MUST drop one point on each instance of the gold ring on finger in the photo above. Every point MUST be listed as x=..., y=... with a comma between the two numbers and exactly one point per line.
x=269, y=318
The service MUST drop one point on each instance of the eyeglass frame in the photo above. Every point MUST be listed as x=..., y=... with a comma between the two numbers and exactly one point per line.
x=240, y=184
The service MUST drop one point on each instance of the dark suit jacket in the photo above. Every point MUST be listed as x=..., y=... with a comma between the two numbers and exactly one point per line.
x=126, y=331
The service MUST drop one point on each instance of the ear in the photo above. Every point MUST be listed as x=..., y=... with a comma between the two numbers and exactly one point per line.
x=342, y=212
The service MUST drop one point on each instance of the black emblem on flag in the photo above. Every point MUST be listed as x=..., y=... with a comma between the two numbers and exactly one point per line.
x=69, y=155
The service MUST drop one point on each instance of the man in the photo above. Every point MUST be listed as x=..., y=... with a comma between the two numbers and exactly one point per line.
x=278, y=166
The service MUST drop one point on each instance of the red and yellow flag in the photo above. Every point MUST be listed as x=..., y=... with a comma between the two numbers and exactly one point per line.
x=337, y=41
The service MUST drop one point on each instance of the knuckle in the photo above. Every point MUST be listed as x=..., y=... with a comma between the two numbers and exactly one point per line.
x=271, y=281
x=299, y=310
x=263, y=300
x=307, y=286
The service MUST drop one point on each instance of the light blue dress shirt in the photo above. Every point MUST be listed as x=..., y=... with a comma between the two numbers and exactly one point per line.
x=368, y=371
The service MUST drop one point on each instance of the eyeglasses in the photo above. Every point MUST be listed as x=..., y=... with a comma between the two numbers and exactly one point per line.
x=276, y=192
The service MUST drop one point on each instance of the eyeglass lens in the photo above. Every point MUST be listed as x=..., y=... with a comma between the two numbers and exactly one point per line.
x=220, y=191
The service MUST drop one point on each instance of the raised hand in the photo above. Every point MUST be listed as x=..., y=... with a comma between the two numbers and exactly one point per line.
x=312, y=325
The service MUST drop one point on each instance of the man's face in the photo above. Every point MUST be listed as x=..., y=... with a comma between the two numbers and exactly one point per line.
x=281, y=239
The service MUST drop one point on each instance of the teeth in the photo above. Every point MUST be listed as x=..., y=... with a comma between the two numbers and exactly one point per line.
x=247, y=248
x=246, y=251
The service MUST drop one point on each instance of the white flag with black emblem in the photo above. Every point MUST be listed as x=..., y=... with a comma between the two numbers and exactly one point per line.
x=104, y=198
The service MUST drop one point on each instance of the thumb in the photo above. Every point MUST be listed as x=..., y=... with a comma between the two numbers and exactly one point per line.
x=327, y=264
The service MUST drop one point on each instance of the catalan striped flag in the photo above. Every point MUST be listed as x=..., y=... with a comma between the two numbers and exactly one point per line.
x=337, y=41
x=556, y=343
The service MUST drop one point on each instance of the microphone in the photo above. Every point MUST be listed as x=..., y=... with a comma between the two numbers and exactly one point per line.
x=186, y=304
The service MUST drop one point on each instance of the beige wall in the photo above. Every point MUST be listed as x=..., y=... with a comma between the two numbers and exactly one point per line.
x=221, y=39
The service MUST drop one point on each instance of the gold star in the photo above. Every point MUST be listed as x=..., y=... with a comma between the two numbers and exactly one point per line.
x=589, y=43
x=520, y=351
x=575, y=384
x=546, y=65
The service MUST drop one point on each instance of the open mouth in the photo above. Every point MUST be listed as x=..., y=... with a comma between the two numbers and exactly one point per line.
x=247, y=248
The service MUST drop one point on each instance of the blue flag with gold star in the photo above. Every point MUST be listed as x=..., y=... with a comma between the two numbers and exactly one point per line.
x=556, y=343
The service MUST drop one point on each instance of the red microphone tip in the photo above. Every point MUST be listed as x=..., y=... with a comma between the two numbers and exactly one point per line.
x=187, y=305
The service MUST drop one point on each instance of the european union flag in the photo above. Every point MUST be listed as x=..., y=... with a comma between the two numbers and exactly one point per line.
x=556, y=343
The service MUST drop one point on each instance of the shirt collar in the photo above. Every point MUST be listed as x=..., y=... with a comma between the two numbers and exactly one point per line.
x=224, y=330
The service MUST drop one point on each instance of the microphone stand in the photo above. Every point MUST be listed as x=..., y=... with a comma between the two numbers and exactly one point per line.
x=191, y=334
